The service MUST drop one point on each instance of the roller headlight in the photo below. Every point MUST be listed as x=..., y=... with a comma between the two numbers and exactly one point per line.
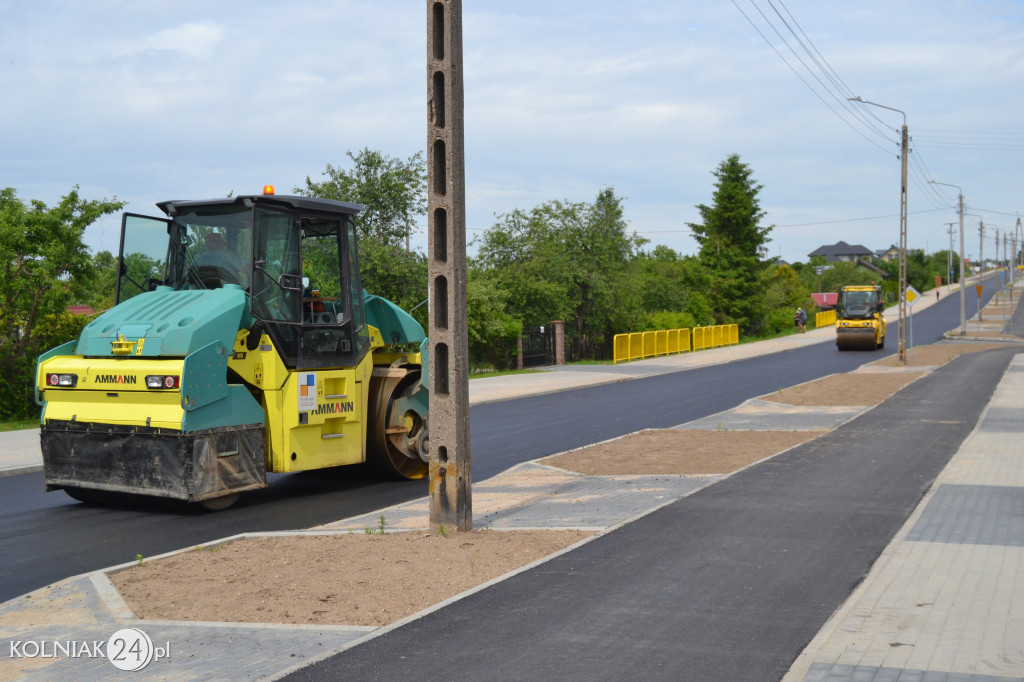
x=162, y=381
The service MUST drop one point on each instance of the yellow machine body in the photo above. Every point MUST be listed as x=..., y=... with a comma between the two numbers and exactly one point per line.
x=860, y=318
x=221, y=363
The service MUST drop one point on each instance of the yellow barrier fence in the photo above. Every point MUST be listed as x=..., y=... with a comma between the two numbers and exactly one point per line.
x=639, y=345
x=824, y=318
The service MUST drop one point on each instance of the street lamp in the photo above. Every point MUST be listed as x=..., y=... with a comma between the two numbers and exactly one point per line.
x=901, y=352
x=963, y=282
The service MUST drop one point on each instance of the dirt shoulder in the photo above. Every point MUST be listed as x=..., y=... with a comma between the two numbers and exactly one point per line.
x=345, y=579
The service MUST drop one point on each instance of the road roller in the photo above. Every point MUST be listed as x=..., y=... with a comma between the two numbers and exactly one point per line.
x=860, y=319
x=241, y=342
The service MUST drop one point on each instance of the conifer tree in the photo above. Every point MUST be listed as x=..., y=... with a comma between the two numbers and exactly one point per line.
x=732, y=245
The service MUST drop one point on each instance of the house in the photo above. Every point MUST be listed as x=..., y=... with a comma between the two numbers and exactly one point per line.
x=842, y=252
x=890, y=254
x=80, y=310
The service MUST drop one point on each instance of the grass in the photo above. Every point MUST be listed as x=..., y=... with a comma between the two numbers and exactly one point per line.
x=19, y=425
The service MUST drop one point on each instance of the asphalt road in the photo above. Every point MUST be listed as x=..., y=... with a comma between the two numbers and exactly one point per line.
x=48, y=537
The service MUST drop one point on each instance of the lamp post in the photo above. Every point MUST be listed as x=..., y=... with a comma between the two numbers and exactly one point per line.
x=963, y=283
x=901, y=352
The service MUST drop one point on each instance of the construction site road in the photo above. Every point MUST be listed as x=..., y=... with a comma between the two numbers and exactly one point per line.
x=45, y=537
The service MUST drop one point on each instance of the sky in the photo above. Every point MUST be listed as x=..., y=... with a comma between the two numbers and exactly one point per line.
x=157, y=100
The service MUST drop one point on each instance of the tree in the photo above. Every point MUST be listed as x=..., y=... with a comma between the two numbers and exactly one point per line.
x=513, y=257
x=834, y=276
x=393, y=192
x=391, y=272
x=673, y=284
x=44, y=267
x=570, y=261
x=732, y=244
x=783, y=294
x=99, y=291
x=492, y=331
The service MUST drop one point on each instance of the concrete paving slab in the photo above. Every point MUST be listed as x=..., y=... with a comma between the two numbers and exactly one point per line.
x=533, y=495
x=763, y=415
x=74, y=611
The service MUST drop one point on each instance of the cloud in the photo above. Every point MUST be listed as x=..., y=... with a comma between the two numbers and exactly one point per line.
x=194, y=41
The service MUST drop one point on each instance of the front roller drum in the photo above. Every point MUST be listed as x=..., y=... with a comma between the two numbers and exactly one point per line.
x=862, y=339
x=397, y=437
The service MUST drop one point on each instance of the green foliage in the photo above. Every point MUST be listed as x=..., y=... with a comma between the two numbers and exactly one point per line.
x=493, y=333
x=784, y=292
x=670, y=282
x=513, y=257
x=569, y=261
x=667, y=320
x=99, y=291
x=732, y=245
x=44, y=267
x=781, y=320
x=389, y=271
x=837, y=275
x=393, y=192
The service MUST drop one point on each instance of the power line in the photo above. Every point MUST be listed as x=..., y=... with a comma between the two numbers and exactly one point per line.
x=855, y=220
x=819, y=59
x=797, y=73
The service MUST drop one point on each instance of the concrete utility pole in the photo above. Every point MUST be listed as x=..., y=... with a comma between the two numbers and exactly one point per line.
x=949, y=256
x=901, y=352
x=981, y=261
x=981, y=247
x=901, y=349
x=963, y=279
x=451, y=504
x=1018, y=244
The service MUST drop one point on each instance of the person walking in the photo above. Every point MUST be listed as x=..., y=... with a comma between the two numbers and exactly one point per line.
x=800, y=318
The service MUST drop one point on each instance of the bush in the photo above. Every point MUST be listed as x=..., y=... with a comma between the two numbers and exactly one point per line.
x=667, y=320
x=782, y=320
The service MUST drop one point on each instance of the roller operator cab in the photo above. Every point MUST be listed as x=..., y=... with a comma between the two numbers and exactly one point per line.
x=241, y=342
x=860, y=318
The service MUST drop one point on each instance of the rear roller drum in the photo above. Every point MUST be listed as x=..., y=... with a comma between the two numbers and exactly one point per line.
x=397, y=430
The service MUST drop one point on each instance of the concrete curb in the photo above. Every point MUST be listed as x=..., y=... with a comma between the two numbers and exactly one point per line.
x=15, y=471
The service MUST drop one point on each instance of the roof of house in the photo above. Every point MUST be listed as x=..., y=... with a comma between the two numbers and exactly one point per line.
x=80, y=309
x=841, y=249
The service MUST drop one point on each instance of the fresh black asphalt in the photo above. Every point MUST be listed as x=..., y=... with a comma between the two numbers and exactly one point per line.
x=727, y=584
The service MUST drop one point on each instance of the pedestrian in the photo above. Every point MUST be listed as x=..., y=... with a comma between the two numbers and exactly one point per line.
x=800, y=319
x=936, y=294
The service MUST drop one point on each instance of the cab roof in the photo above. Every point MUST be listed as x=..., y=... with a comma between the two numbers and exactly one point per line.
x=304, y=204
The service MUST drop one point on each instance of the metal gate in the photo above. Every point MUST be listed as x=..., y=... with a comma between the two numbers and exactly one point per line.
x=538, y=346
